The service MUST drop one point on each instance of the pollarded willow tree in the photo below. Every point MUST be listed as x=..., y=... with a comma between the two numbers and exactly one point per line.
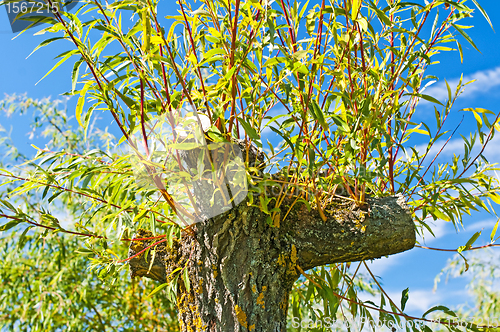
x=227, y=217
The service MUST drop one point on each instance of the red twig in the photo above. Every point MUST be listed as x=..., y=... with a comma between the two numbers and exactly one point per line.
x=143, y=124
x=143, y=250
x=456, y=250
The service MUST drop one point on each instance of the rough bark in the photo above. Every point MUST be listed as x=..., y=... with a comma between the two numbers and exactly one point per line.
x=242, y=269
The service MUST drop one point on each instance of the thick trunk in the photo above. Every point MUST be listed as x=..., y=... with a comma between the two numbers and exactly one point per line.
x=238, y=282
x=242, y=269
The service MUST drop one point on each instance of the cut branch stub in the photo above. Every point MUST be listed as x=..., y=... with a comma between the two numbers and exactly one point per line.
x=386, y=228
x=161, y=254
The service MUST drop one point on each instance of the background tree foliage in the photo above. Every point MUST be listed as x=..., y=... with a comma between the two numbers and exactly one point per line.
x=46, y=281
x=338, y=82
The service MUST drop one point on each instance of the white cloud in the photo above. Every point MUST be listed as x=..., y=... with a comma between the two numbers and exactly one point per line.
x=487, y=225
x=439, y=227
x=422, y=300
x=492, y=152
x=456, y=146
x=380, y=265
x=485, y=81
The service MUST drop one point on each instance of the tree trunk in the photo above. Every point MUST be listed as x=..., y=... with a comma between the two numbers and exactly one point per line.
x=241, y=269
x=242, y=264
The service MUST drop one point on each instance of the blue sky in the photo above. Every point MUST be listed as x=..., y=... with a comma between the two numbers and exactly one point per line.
x=415, y=269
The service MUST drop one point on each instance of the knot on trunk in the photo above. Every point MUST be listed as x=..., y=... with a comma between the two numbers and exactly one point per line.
x=153, y=257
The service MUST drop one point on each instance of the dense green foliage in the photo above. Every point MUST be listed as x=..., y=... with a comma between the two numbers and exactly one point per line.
x=45, y=276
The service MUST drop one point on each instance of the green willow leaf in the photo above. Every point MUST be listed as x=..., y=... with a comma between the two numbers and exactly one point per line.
x=466, y=36
x=9, y=225
x=157, y=289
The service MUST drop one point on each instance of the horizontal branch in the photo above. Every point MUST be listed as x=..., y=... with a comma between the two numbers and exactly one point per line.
x=350, y=234
x=456, y=250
